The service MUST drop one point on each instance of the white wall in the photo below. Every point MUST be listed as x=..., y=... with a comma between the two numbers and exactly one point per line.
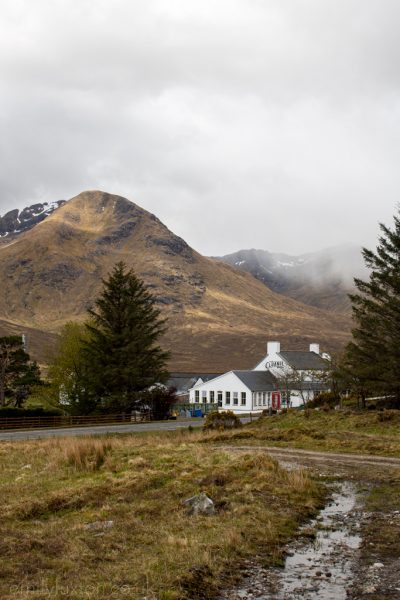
x=228, y=382
x=269, y=362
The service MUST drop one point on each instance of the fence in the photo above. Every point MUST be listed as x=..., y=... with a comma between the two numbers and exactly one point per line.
x=71, y=421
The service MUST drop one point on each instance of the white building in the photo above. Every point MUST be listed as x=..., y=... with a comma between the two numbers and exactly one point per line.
x=281, y=379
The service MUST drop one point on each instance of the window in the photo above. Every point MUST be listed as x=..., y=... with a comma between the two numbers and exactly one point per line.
x=264, y=398
x=212, y=397
x=227, y=397
x=269, y=398
x=235, y=398
x=243, y=399
x=219, y=396
x=259, y=398
x=204, y=397
x=197, y=396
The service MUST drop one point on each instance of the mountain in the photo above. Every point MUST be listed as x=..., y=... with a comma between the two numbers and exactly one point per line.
x=16, y=221
x=322, y=279
x=218, y=317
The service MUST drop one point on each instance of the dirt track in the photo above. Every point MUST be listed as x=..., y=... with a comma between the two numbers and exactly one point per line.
x=307, y=456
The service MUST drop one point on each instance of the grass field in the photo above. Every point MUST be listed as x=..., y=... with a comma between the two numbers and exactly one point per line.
x=367, y=432
x=103, y=518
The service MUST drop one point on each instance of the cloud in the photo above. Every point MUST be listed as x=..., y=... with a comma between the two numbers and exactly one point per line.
x=240, y=123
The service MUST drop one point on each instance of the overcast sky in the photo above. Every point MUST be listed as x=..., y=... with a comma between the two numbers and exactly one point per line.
x=272, y=124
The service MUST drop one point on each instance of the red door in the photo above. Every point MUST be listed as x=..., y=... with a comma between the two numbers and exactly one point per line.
x=276, y=400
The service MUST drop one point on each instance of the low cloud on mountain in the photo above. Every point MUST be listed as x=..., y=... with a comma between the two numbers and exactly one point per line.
x=241, y=124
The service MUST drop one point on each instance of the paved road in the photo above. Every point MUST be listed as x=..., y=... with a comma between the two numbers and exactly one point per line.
x=99, y=429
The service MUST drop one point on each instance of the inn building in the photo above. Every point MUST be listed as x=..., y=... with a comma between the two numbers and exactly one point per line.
x=282, y=379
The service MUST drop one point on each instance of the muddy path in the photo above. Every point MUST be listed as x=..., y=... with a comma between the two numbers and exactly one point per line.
x=307, y=457
x=351, y=550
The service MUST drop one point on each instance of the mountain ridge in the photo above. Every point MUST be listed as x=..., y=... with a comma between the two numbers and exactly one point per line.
x=218, y=317
x=322, y=279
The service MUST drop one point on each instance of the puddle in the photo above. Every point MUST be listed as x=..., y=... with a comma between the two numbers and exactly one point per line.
x=317, y=568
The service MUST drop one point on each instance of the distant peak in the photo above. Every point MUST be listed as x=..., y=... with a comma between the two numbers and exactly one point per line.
x=16, y=221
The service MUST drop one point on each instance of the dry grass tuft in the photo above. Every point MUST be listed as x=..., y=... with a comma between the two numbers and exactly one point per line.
x=153, y=548
x=85, y=454
x=298, y=479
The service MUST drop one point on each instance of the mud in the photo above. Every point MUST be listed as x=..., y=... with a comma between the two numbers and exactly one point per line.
x=320, y=564
x=347, y=552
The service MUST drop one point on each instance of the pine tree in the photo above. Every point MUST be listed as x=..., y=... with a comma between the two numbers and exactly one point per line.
x=122, y=351
x=373, y=355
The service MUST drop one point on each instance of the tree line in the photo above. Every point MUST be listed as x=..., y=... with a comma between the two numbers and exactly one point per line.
x=113, y=361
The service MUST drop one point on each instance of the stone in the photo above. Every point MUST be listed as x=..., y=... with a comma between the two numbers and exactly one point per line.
x=377, y=565
x=99, y=525
x=200, y=505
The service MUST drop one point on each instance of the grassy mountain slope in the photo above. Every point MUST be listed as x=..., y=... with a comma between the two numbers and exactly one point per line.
x=218, y=317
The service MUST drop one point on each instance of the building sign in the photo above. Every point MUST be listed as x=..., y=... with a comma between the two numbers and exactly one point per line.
x=273, y=363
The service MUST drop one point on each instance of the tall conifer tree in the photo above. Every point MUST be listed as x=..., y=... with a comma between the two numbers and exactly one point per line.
x=122, y=350
x=373, y=356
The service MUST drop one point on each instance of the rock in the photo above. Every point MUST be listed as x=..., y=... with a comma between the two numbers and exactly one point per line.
x=200, y=505
x=369, y=589
x=377, y=565
x=99, y=525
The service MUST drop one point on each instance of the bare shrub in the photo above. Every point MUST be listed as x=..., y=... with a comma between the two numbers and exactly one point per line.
x=221, y=420
x=324, y=399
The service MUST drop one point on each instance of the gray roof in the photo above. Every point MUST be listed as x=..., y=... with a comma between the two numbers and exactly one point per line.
x=304, y=360
x=257, y=381
x=184, y=381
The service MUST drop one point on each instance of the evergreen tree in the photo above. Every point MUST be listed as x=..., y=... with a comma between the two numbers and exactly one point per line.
x=121, y=351
x=17, y=372
x=373, y=356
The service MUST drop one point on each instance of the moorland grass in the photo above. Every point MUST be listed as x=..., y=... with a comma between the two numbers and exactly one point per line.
x=362, y=432
x=53, y=489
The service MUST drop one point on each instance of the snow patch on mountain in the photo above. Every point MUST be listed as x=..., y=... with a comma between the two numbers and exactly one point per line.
x=16, y=221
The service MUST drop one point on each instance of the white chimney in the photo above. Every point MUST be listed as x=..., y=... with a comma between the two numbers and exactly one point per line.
x=314, y=348
x=273, y=348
